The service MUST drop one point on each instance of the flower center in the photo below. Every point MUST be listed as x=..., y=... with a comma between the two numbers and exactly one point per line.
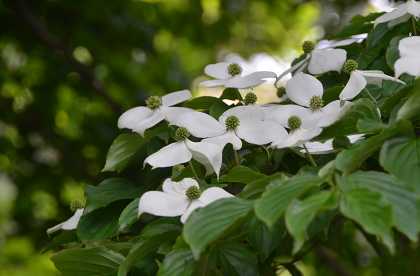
x=281, y=91
x=153, y=102
x=181, y=134
x=294, y=122
x=76, y=204
x=193, y=192
x=316, y=103
x=308, y=46
x=350, y=65
x=232, y=122
x=234, y=69
x=250, y=98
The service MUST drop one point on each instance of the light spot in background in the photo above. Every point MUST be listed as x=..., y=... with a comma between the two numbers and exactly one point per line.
x=21, y=96
x=44, y=205
x=382, y=5
x=139, y=56
x=163, y=41
x=13, y=58
x=82, y=55
x=211, y=11
x=72, y=191
x=46, y=155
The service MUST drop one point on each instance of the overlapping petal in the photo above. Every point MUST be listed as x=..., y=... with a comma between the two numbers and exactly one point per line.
x=249, y=81
x=163, y=204
x=69, y=224
x=171, y=155
x=326, y=60
x=302, y=87
x=354, y=86
x=218, y=70
x=208, y=154
x=176, y=97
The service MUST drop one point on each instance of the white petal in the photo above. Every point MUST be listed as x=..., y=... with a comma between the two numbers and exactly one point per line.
x=199, y=124
x=139, y=119
x=259, y=132
x=69, y=224
x=413, y=8
x=400, y=11
x=410, y=46
x=376, y=77
x=297, y=137
x=176, y=97
x=171, y=155
x=208, y=154
x=327, y=60
x=218, y=70
x=282, y=113
x=325, y=44
x=244, y=113
x=355, y=137
x=249, y=81
x=178, y=188
x=332, y=112
x=213, y=83
x=318, y=147
x=354, y=86
x=399, y=20
x=227, y=138
x=302, y=87
x=407, y=65
x=193, y=206
x=212, y=194
x=162, y=204
x=298, y=65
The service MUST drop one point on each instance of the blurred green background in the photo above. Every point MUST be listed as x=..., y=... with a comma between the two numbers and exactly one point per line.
x=68, y=68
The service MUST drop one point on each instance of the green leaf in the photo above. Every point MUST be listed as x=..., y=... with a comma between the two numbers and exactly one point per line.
x=179, y=262
x=359, y=24
x=332, y=94
x=209, y=223
x=351, y=159
x=87, y=261
x=110, y=190
x=274, y=201
x=231, y=94
x=122, y=151
x=217, y=109
x=369, y=210
x=300, y=214
x=256, y=187
x=238, y=258
x=202, y=103
x=392, y=52
x=405, y=204
x=241, y=174
x=411, y=108
x=375, y=37
x=401, y=157
x=100, y=224
x=129, y=214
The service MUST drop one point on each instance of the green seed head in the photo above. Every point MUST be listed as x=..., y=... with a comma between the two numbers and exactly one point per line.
x=234, y=69
x=281, y=91
x=232, y=122
x=193, y=192
x=153, y=102
x=250, y=98
x=350, y=65
x=76, y=204
x=181, y=134
x=316, y=103
x=294, y=122
x=308, y=46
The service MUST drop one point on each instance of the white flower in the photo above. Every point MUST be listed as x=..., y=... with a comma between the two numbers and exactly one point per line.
x=307, y=91
x=184, y=150
x=230, y=75
x=360, y=78
x=179, y=199
x=327, y=146
x=409, y=61
x=141, y=118
x=400, y=14
x=69, y=224
x=296, y=137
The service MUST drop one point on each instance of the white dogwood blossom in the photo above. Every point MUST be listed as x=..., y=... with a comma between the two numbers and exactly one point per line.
x=409, y=61
x=317, y=148
x=141, y=118
x=183, y=150
x=69, y=224
x=230, y=75
x=179, y=199
x=401, y=14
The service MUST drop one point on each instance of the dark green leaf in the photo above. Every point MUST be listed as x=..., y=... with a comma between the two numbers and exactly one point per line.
x=411, y=108
x=240, y=259
x=202, y=103
x=392, y=53
x=258, y=186
x=274, y=201
x=179, y=262
x=129, y=214
x=87, y=261
x=209, y=223
x=217, y=109
x=241, y=174
x=231, y=94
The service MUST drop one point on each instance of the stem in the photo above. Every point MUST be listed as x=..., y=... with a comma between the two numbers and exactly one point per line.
x=309, y=156
x=413, y=23
x=237, y=158
x=293, y=269
x=194, y=171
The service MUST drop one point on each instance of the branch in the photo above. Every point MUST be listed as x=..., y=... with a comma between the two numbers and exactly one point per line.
x=25, y=14
x=332, y=261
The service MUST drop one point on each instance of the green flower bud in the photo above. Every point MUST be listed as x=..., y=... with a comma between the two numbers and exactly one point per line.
x=294, y=122
x=281, y=91
x=153, y=102
x=349, y=66
x=250, y=98
x=316, y=103
x=234, y=69
x=77, y=204
x=308, y=46
x=232, y=122
x=193, y=192
x=181, y=134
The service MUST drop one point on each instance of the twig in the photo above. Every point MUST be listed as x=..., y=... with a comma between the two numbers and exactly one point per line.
x=331, y=260
x=23, y=11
